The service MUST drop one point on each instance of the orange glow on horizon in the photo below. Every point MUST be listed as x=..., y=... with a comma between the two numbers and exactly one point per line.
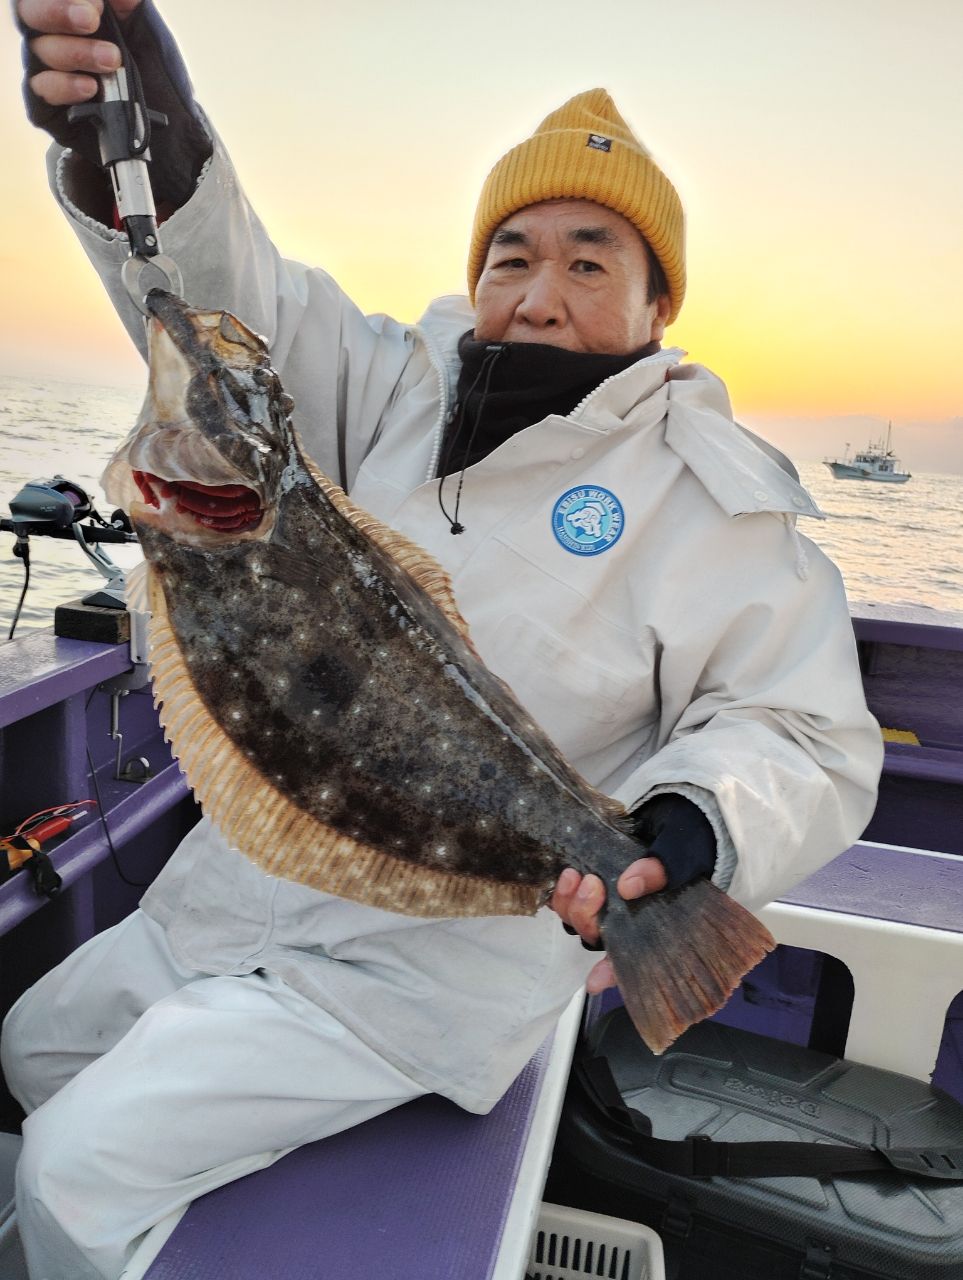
x=824, y=194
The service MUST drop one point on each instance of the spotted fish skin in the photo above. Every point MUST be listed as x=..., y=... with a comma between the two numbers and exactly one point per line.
x=326, y=702
x=354, y=695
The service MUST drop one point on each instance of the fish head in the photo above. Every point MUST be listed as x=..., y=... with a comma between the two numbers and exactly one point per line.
x=215, y=417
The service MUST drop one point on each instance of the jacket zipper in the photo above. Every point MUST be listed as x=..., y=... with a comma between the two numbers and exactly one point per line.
x=611, y=378
x=441, y=370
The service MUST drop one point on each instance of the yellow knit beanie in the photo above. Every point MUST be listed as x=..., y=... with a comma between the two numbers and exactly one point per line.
x=586, y=151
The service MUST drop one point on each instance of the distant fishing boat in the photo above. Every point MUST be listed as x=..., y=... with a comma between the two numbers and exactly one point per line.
x=876, y=462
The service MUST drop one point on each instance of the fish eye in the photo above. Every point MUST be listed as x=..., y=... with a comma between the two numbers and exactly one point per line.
x=231, y=330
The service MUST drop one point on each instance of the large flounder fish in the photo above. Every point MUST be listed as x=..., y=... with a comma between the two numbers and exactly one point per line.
x=320, y=690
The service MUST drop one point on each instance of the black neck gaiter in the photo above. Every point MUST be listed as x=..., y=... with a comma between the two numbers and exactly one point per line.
x=504, y=387
x=527, y=381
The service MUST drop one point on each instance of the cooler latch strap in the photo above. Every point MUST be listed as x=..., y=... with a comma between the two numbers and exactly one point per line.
x=947, y=1165
x=818, y=1262
x=699, y=1156
x=677, y=1219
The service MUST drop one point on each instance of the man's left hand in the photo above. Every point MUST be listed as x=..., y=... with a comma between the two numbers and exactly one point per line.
x=579, y=899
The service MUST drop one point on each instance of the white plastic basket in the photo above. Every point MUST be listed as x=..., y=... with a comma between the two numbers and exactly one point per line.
x=570, y=1244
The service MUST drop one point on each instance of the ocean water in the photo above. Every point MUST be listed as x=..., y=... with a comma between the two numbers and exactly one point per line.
x=52, y=428
x=895, y=544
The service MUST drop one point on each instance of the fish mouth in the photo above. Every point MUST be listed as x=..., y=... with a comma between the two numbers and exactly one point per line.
x=189, y=511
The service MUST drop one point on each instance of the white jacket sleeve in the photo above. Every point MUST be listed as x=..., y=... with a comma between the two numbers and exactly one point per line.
x=342, y=369
x=765, y=715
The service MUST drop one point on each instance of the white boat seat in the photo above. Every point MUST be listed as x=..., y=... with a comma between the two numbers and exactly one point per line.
x=894, y=917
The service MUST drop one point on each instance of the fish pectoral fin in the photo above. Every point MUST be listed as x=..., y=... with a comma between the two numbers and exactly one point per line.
x=295, y=569
x=678, y=956
x=416, y=562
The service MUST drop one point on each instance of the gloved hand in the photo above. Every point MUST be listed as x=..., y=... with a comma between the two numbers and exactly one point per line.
x=679, y=834
x=680, y=846
x=66, y=47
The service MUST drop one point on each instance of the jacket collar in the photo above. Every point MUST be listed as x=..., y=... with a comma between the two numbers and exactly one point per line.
x=742, y=472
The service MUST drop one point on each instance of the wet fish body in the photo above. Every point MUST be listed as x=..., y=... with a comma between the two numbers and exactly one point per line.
x=323, y=696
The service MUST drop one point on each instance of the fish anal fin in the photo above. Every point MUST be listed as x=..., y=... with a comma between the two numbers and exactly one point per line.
x=283, y=839
x=417, y=563
x=678, y=956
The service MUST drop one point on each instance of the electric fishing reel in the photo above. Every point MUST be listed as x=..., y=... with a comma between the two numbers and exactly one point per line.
x=56, y=507
x=61, y=508
x=44, y=503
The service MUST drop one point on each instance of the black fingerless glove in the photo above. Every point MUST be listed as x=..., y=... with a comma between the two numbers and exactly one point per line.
x=679, y=834
x=178, y=149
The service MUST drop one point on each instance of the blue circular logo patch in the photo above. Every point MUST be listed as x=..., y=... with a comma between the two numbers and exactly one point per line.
x=588, y=520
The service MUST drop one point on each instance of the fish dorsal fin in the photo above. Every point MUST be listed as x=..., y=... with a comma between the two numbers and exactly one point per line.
x=280, y=837
x=417, y=563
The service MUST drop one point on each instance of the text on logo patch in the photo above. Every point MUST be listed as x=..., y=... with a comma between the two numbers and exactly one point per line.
x=599, y=143
x=588, y=520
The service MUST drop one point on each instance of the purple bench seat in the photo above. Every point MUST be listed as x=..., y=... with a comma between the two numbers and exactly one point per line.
x=421, y=1193
x=912, y=887
x=426, y=1192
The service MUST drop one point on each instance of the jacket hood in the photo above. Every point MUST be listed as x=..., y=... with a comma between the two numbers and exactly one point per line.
x=742, y=472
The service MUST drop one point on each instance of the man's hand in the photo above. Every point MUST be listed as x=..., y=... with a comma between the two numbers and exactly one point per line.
x=682, y=848
x=579, y=899
x=70, y=59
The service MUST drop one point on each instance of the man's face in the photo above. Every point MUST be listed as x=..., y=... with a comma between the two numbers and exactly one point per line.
x=572, y=274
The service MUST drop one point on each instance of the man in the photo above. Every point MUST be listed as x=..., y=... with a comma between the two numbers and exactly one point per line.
x=685, y=649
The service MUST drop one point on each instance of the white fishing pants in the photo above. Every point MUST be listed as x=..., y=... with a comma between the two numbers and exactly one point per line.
x=147, y=1086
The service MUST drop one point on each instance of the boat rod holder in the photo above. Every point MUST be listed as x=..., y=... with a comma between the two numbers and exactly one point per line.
x=137, y=768
x=55, y=508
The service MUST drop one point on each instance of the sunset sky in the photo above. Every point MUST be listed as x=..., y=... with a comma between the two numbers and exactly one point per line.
x=818, y=150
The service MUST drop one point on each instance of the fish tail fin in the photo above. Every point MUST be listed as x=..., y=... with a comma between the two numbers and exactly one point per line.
x=678, y=955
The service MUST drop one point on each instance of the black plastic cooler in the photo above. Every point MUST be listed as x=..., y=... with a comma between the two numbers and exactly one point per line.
x=735, y=1086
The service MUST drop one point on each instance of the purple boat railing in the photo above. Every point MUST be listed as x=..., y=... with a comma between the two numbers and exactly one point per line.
x=55, y=721
x=912, y=664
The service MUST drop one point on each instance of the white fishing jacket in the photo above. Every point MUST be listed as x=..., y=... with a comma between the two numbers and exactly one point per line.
x=633, y=572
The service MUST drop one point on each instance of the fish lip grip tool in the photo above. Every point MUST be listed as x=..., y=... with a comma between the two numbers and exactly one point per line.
x=123, y=123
